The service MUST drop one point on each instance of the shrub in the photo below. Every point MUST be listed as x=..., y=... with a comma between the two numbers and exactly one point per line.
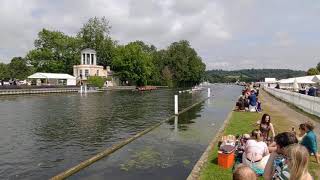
x=96, y=81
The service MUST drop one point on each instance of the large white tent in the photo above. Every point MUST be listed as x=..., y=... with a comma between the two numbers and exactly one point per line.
x=288, y=83
x=54, y=78
x=270, y=82
x=316, y=79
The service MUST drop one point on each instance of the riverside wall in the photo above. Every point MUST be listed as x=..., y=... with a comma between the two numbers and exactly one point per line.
x=307, y=103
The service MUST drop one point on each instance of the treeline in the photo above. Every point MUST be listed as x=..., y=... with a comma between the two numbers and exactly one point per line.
x=136, y=62
x=250, y=75
x=314, y=71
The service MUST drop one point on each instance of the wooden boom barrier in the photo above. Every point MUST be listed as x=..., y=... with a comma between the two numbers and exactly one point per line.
x=116, y=147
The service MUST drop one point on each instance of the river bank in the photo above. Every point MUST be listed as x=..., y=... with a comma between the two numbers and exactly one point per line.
x=283, y=118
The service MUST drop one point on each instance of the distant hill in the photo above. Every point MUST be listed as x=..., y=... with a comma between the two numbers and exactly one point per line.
x=250, y=75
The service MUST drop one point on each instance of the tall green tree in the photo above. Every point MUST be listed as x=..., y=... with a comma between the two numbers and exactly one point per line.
x=312, y=71
x=133, y=64
x=95, y=34
x=185, y=64
x=318, y=67
x=54, y=52
x=18, y=68
x=4, y=73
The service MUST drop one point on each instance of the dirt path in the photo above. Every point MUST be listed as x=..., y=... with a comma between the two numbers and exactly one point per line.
x=277, y=108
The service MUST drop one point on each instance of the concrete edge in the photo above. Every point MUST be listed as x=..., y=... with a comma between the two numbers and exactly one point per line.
x=198, y=167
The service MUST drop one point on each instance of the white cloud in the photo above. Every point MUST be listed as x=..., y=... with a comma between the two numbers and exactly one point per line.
x=226, y=34
x=283, y=39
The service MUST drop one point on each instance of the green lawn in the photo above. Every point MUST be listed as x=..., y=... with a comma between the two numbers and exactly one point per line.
x=240, y=123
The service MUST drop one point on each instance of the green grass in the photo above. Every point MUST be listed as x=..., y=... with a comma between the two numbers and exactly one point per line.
x=239, y=123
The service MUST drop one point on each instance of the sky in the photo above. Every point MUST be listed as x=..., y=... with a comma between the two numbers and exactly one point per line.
x=227, y=34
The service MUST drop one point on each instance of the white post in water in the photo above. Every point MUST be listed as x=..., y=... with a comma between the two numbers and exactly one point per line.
x=176, y=123
x=208, y=92
x=80, y=89
x=85, y=89
x=176, y=104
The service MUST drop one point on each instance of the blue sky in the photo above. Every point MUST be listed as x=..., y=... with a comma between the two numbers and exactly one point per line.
x=228, y=34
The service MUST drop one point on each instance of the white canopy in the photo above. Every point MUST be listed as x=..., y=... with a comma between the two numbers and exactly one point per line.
x=270, y=80
x=50, y=76
x=300, y=80
x=316, y=79
x=295, y=85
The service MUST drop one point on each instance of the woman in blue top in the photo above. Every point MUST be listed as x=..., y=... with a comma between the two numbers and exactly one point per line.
x=310, y=140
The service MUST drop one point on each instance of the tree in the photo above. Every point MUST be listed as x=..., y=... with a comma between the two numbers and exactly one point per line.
x=167, y=76
x=318, y=67
x=18, y=68
x=95, y=35
x=54, y=52
x=133, y=64
x=312, y=71
x=4, y=74
x=185, y=64
x=96, y=81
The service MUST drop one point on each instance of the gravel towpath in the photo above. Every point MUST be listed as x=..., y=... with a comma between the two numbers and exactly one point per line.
x=294, y=117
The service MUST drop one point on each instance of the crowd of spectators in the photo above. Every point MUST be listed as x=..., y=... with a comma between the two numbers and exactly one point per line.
x=283, y=156
x=249, y=101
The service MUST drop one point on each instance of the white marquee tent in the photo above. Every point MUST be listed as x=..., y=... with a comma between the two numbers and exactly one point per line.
x=54, y=78
x=316, y=79
x=288, y=83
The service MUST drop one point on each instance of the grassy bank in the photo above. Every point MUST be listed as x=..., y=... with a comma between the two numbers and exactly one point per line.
x=240, y=123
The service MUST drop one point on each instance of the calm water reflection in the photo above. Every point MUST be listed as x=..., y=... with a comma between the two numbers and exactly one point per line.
x=42, y=135
x=170, y=151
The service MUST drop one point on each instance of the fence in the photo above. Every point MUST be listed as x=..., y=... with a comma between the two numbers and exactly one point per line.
x=307, y=103
x=37, y=91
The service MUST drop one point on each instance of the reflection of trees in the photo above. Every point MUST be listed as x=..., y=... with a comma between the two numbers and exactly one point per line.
x=188, y=117
x=101, y=117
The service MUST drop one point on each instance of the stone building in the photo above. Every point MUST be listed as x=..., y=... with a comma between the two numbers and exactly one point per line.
x=88, y=67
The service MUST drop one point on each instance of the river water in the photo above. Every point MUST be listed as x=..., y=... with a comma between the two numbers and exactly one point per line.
x=42, y=135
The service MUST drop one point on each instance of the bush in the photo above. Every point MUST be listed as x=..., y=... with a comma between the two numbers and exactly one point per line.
x=96, y=81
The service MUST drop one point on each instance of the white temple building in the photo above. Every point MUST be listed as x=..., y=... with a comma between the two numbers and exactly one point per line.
x=88, y=67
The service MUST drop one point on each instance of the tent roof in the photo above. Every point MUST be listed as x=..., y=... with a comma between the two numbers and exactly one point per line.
x=40, y=75
x=271, y=80
x=316, y=78
x=300, y=80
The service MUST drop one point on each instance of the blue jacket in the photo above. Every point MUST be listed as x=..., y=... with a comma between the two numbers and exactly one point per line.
x=312, y=91
x=252, y=99
x=310, y=142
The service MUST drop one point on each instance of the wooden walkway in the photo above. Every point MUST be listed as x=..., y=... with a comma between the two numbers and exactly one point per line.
x=37, y=91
